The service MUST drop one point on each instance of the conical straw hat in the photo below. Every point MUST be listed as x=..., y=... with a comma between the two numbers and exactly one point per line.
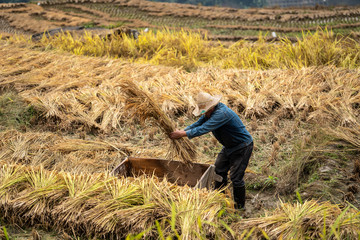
x=204, y=102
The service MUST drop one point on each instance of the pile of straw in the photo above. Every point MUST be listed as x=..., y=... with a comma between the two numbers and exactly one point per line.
x=100, y=206
x=308, y=220
x=144, y=107
x=52, y=83
x=55, y=152
x=349, y=134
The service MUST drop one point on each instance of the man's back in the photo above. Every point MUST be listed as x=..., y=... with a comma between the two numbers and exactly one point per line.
x=233, y=132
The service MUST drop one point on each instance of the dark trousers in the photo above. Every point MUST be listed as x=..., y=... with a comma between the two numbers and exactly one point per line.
x=236, y=162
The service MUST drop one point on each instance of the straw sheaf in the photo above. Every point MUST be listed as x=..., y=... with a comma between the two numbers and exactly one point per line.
x=143, y=106
x=55, y=152
x=349, y=134
x=43, y=191
x=309, y=219
x=97, y=204
x=10, y=176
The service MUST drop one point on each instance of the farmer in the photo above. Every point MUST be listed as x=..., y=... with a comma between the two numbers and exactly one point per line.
x=229, y=130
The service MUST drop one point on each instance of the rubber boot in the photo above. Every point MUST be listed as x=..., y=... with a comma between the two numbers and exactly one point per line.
x=239, y=197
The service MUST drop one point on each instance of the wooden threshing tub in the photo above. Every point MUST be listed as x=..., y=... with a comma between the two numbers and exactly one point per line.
x=198, y=175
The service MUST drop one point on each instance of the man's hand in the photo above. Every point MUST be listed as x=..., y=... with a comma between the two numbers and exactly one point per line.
x=177, y=134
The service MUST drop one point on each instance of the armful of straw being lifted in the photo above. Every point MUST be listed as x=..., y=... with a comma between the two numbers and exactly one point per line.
x=177, y=134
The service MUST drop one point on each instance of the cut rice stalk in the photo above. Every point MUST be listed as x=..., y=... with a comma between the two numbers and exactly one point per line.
x=143, y=106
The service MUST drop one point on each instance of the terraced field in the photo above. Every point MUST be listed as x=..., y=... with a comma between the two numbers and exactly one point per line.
x=217, y=23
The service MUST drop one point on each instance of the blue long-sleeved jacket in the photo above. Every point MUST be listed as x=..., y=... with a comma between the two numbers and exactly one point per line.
x=226, y=126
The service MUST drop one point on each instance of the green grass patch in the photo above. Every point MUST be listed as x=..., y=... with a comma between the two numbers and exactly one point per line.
x=14, y=112
x=90, y=24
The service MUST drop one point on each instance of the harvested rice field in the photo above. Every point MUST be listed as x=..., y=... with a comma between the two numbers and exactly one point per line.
x=74, y=106
x=217, y=23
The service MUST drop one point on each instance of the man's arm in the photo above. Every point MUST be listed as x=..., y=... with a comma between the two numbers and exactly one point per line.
x=199, y=122
x=182, y=133
x=216, y=120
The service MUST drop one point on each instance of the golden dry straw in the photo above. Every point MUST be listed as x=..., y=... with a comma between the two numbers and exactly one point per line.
x=144, y=107
x=105, y=206
x=349, y=134
x=308, y=220
x=55, y=152
x=73, y=89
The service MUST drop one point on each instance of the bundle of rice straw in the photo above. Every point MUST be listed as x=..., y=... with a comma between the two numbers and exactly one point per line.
x=143, y=106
